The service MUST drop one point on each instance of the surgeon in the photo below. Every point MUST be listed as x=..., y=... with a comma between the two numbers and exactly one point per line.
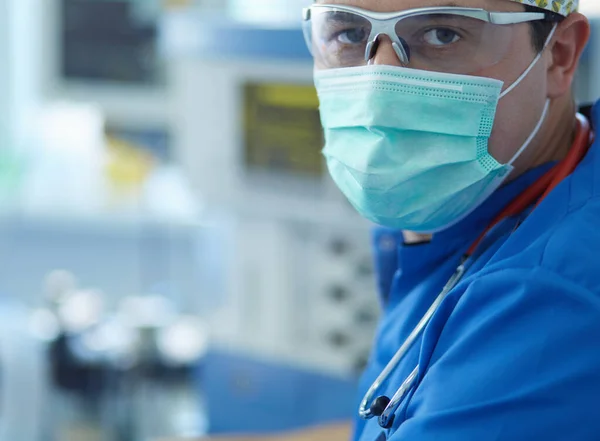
x=452, y=126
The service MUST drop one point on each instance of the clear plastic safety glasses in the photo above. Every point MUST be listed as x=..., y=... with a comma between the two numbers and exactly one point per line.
x=442, y=39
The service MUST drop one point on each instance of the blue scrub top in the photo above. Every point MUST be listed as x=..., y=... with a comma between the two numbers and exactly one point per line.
x=513, y=353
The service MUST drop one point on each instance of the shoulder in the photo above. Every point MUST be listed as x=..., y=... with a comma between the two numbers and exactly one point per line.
x=567, y=246
x=562, y=235
x=570, y=246
x=572, y=250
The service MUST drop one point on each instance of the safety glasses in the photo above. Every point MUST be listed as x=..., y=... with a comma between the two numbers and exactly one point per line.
x=442, y=39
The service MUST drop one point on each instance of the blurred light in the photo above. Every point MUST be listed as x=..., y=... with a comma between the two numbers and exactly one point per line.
x=59, y=283
x=81, y=310
x=184, y=342
x=44, y=325
x=74, y=127
x=113, y=337
x=146, y=312
x=168, y=196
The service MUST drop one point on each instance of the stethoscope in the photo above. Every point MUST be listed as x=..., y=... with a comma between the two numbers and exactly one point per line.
x=384, y=407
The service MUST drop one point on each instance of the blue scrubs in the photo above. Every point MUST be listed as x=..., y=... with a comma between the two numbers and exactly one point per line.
x=513, y=353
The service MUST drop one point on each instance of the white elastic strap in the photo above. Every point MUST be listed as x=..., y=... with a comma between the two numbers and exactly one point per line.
x=531, y=66
x=533, y=134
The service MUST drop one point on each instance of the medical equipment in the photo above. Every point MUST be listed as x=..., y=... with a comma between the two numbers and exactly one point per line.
x=20, y=51
x=245, y=118
x=121, y=34
x=384, y=407
x=122, y=253
x=276, y=12
x=24, y=391
x=125, y=78
x=124, y=373
x=300, y=296
x=19, y=88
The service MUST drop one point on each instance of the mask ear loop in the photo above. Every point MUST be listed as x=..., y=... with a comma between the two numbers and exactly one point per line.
x=533, y=133
x=531, y=66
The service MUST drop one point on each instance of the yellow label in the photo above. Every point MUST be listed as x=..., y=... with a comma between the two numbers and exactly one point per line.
x=174, y=4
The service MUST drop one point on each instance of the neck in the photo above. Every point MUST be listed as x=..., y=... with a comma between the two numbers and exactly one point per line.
x=412, y=238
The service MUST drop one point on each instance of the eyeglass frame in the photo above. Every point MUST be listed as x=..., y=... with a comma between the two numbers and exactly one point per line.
x=384, y=23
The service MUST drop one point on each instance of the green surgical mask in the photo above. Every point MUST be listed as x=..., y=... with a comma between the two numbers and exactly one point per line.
x=409, y=148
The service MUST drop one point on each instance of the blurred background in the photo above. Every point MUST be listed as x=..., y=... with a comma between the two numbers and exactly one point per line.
x=174, y=260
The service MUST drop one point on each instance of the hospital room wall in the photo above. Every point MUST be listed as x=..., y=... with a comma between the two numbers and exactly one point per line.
x=587, y=84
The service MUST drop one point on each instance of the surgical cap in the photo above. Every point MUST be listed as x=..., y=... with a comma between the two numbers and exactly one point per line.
x=562, y=7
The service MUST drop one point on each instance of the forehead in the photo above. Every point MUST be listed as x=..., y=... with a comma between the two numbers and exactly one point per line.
x=401, y=5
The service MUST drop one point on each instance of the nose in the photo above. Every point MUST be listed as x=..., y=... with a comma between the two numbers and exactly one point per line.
x=385, y=54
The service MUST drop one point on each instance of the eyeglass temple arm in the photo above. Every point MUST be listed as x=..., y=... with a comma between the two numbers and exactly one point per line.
x=507, y=18
x=501, y=18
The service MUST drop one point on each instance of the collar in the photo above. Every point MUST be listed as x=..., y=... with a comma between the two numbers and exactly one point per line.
x=393, y=258
x=413, y=258
x=485, y=213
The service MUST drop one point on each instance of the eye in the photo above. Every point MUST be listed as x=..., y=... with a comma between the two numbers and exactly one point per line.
x=352, y=36
x=441, y=37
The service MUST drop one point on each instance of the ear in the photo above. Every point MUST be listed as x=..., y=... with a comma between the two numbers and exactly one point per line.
x=566, y=47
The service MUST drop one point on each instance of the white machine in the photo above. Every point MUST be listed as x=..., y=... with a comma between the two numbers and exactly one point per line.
x=22, y=359
x=130, y=101
x=24, y=391
x=245, y=119
x=19, y=82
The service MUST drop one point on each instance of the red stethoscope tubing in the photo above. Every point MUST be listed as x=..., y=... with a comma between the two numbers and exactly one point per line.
x=548, y=182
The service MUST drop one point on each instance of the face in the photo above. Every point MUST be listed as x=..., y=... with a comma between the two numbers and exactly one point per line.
x=520, y=110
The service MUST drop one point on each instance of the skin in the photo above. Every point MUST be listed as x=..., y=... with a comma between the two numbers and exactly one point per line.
x=518, y=112
x=517, y=115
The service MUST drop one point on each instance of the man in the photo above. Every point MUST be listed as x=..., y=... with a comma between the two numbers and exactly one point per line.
x=441, y=125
